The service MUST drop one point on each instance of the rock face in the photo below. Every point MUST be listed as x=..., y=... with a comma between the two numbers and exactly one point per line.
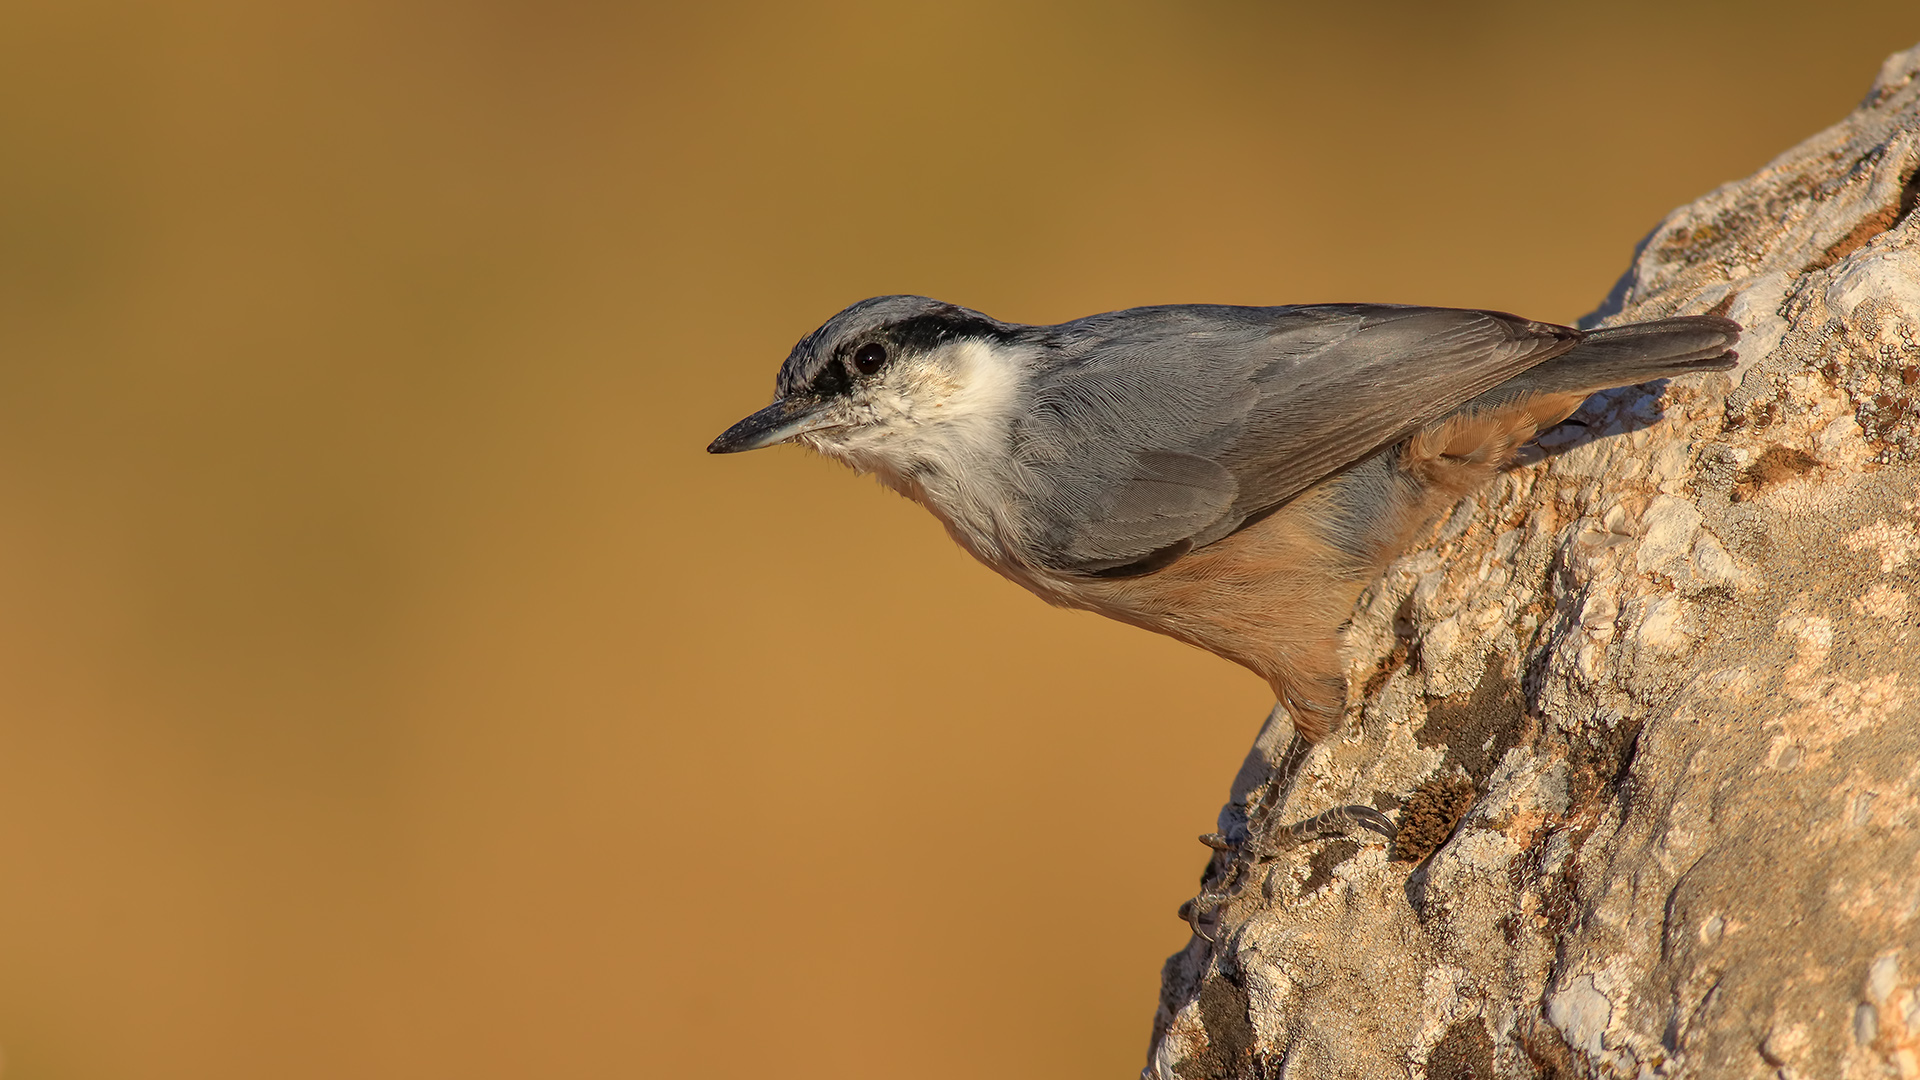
x=1651, y=704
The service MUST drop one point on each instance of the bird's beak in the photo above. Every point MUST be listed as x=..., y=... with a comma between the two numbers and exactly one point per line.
x=777, y=423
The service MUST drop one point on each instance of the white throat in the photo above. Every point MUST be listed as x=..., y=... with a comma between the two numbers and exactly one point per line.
x=939, y=433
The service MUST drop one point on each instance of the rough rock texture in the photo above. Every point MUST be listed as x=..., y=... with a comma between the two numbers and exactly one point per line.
x=1652, y=705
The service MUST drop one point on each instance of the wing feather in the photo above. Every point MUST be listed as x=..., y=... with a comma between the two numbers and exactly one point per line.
x=1171, y=426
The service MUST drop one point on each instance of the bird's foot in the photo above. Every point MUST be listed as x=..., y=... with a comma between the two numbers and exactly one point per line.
x=1255, y=839
x=1246, y=856
x=1223, y=879
x=1341, y=820
x=1334, y=822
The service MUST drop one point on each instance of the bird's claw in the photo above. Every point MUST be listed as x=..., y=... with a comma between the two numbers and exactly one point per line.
x=1341, y=819
x=1253, y=851
x=1200, y=909
x=1263, y=842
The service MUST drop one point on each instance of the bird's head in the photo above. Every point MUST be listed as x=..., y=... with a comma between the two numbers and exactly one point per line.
x=895, y=384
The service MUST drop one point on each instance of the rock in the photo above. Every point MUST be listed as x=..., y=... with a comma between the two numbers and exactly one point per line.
x=1652, y=704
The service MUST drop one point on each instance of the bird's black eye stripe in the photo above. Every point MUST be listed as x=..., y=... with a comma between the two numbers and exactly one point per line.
x=923, y=332
x=832, y=381
x=870, y=357
x=869, y=352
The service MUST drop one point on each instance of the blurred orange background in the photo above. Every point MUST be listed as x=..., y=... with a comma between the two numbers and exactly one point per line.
x=390, y=686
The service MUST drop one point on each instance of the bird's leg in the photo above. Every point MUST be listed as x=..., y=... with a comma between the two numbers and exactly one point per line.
x=1263, y=843
x=1279, y=786
x=1263, y=779
x=1336, y=821
x=1274, y=795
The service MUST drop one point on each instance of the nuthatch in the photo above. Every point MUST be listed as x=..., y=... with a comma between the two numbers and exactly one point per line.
x=1232, y=477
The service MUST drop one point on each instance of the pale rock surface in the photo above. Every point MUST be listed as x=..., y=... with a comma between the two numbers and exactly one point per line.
x=1671, y=674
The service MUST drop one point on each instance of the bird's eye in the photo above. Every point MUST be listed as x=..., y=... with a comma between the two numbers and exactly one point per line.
x=870, y=357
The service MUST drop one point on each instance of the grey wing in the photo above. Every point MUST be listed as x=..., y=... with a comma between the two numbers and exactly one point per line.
x=1165, y=429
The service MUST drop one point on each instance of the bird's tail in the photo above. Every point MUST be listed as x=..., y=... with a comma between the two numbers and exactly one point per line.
x=1627, y=356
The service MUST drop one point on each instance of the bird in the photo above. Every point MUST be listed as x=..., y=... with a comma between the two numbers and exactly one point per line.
x=1232, y=477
